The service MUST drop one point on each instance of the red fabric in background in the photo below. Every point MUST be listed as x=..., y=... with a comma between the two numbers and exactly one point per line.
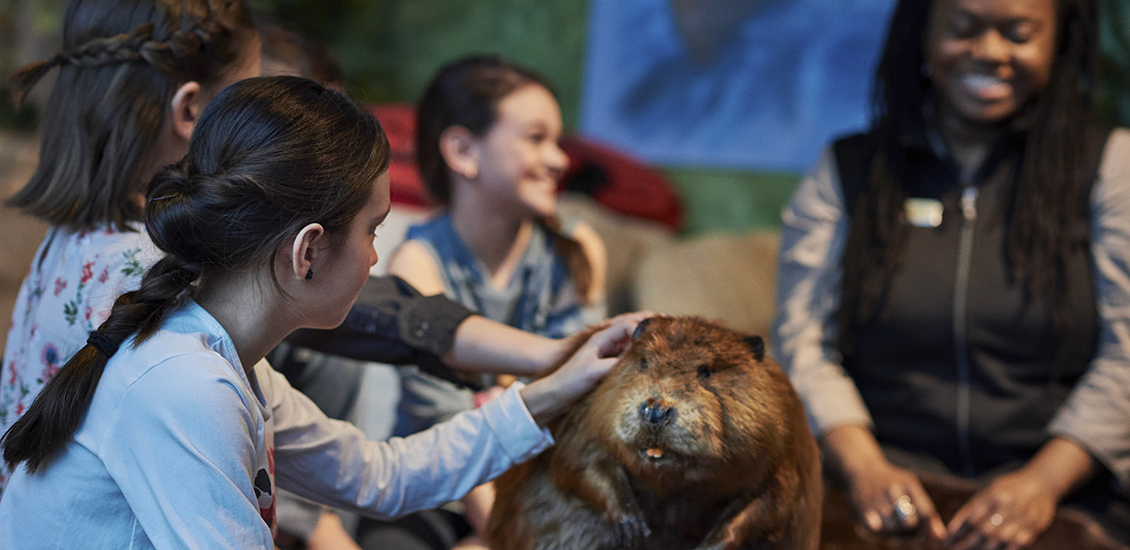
x=622, y=183
x=399, y=123
x=612, y=178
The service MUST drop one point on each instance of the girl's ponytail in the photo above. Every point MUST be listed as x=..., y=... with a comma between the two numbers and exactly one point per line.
x=54, y=416
x=268, y=156
x=56, y=412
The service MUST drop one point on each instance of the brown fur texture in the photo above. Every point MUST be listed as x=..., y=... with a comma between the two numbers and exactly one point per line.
x=693, y=440
x=841, y=531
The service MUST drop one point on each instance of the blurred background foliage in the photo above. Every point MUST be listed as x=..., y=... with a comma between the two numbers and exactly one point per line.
x=1115, y=67
x=7, y=53
x=28, y=29
x=389, y=49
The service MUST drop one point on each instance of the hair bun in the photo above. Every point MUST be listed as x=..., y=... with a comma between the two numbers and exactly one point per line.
x=169, y=212
x=170, y=182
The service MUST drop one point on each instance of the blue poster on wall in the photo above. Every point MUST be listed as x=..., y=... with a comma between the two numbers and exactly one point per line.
x=750, y=84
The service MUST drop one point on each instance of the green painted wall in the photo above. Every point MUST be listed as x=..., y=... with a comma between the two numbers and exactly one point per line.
x=390, y=48
x=731, y=200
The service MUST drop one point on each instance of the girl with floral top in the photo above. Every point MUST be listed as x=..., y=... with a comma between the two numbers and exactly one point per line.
x=133, y=78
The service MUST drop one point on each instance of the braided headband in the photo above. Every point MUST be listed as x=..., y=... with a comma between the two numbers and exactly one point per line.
x=103, y=343
x=132, y=47
x=112, y=50
x=138, y=46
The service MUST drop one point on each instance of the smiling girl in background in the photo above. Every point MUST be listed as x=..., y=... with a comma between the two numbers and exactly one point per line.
x=486, y=146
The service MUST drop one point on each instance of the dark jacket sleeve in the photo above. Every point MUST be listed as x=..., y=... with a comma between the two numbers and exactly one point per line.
x=392, y=323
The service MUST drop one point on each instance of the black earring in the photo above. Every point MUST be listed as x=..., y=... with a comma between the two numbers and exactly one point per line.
x=309, y=274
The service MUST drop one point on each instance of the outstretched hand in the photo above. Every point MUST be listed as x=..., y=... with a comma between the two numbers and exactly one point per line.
x=1009, y=513
x=886, y=498
x=550, y=396
x=1017, y=507
x=890, y=499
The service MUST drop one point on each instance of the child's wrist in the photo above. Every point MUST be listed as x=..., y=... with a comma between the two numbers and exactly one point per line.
x=539, y=401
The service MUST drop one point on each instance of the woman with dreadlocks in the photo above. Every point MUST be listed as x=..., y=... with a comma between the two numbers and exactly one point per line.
x=954, y=283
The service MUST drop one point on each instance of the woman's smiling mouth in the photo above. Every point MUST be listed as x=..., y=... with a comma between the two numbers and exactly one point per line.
x=986, y=87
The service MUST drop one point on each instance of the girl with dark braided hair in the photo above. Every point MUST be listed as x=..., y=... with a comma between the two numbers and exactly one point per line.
x=168, y=430
x=953, y=283
x=133, y=77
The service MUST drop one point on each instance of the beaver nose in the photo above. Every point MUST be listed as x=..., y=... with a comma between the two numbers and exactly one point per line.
x=656, y=412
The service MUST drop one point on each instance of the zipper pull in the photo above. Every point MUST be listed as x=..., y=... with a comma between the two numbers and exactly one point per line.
x=969, y=203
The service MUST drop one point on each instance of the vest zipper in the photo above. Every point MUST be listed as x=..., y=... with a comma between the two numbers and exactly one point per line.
x=960, y=331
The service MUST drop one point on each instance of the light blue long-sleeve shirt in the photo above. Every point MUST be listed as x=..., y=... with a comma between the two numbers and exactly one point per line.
x=180, y=449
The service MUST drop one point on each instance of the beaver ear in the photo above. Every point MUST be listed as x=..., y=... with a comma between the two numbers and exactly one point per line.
x=640, y=328
x=756, y=345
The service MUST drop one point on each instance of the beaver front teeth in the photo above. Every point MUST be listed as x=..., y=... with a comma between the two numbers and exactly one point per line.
x=654, y=453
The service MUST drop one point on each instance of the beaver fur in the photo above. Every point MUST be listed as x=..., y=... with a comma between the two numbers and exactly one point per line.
x=695, y=439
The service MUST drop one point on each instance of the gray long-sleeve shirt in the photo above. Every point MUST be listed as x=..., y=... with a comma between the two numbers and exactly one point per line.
x=181, y=449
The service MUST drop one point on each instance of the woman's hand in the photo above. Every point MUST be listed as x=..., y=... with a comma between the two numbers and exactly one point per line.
x=887, y=498
x=1017, y=507
x=891, y=499
x=550, y=396
x=1009, y=513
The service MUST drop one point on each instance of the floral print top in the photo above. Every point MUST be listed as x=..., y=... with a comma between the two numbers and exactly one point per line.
x=74, y=280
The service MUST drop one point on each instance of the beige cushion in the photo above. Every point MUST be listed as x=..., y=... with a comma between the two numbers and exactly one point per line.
x=729, y=277
x=627, y=241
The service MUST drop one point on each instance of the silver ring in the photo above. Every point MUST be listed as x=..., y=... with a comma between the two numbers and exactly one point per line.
x=996, y=520
x=904, y=508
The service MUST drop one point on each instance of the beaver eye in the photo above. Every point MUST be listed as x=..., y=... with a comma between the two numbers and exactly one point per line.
x=643, y=363
x=704, y=372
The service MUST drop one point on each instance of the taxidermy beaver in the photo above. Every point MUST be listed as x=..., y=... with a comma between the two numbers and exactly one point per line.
x=695, y=439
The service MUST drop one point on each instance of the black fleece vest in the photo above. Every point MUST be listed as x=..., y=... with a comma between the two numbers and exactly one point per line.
x=959, y=363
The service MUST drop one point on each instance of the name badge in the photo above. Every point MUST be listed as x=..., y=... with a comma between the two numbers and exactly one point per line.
x=924, y=212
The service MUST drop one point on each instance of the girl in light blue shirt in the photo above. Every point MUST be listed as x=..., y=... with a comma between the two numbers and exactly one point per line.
x=167, y=430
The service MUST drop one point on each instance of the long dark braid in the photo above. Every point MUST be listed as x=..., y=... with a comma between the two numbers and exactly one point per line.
x=268, y=156
x=65, y=398
x=1048, y=217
